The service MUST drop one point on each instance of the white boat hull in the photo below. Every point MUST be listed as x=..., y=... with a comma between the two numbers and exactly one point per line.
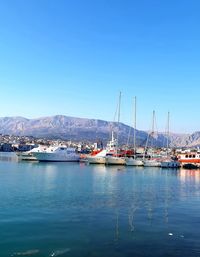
x=134, y=162
x=26, y=156
x=113, y=160
x=96, y=160
x=152, y=163
x=56, y=157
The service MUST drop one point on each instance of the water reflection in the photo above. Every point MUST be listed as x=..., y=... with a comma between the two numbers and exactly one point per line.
x=116, y=210
x=8, y=157
x=135, y=193
x=189, y=183
x=189, y=176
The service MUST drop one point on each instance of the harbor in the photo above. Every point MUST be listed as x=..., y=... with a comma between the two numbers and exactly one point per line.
x=112, y=154
x=99, y=134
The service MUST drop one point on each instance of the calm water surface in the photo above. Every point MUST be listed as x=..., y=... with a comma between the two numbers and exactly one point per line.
x=66, y=209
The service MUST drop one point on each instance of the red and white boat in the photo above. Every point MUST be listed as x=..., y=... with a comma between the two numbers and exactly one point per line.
x=99, y=157
x=189, y=157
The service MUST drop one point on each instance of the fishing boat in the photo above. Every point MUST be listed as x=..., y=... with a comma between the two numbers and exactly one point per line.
x=189, y=157
x=57, y=154
x=100, y=156
x=114, y=157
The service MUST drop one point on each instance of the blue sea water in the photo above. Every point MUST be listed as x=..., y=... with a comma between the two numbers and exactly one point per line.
x=71, y=209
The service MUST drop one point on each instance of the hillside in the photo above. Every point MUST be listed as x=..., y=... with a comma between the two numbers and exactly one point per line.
x=80, y=129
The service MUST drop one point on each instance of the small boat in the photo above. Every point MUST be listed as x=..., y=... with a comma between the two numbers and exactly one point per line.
x=169, y=163
x=99, y=158
x=25, y=156
x=57, y=154
x=152, y=163
x=134, y=162
x=28, y=155
x=115, y=160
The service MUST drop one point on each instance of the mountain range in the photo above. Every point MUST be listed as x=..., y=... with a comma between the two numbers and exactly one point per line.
x=82, y=129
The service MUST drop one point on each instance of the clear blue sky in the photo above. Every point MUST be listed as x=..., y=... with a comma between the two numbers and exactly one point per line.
x=73, y=57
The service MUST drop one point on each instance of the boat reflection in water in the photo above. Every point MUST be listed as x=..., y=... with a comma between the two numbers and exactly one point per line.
x=190, y=175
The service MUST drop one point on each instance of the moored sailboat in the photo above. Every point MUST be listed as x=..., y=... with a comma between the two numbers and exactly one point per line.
x=114, y=158
x=132, y=161
x=153, y=161
x=168, y=162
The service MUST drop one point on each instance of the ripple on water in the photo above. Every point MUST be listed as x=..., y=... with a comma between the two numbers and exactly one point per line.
x=59, y=252
x=26, y=253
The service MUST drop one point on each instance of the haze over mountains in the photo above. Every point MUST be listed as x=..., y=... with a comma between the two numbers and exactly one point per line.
x=80, y=129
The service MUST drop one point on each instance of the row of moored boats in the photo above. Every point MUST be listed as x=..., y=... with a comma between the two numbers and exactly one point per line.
x=108, y=156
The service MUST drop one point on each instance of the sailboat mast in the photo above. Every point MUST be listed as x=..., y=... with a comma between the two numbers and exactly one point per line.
x=167, y=133
x=119, y=107
x=134, y=142
x=153, y=123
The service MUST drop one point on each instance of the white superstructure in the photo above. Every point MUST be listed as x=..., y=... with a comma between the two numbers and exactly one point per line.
x=58, y=154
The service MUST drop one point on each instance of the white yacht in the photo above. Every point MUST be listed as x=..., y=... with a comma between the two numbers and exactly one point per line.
x=57, y=154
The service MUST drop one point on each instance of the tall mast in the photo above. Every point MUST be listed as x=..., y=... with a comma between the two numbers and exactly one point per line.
x=167, y=132
x=118, y=118
x=134, y=142
x=151, y=133
x=153, y=123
